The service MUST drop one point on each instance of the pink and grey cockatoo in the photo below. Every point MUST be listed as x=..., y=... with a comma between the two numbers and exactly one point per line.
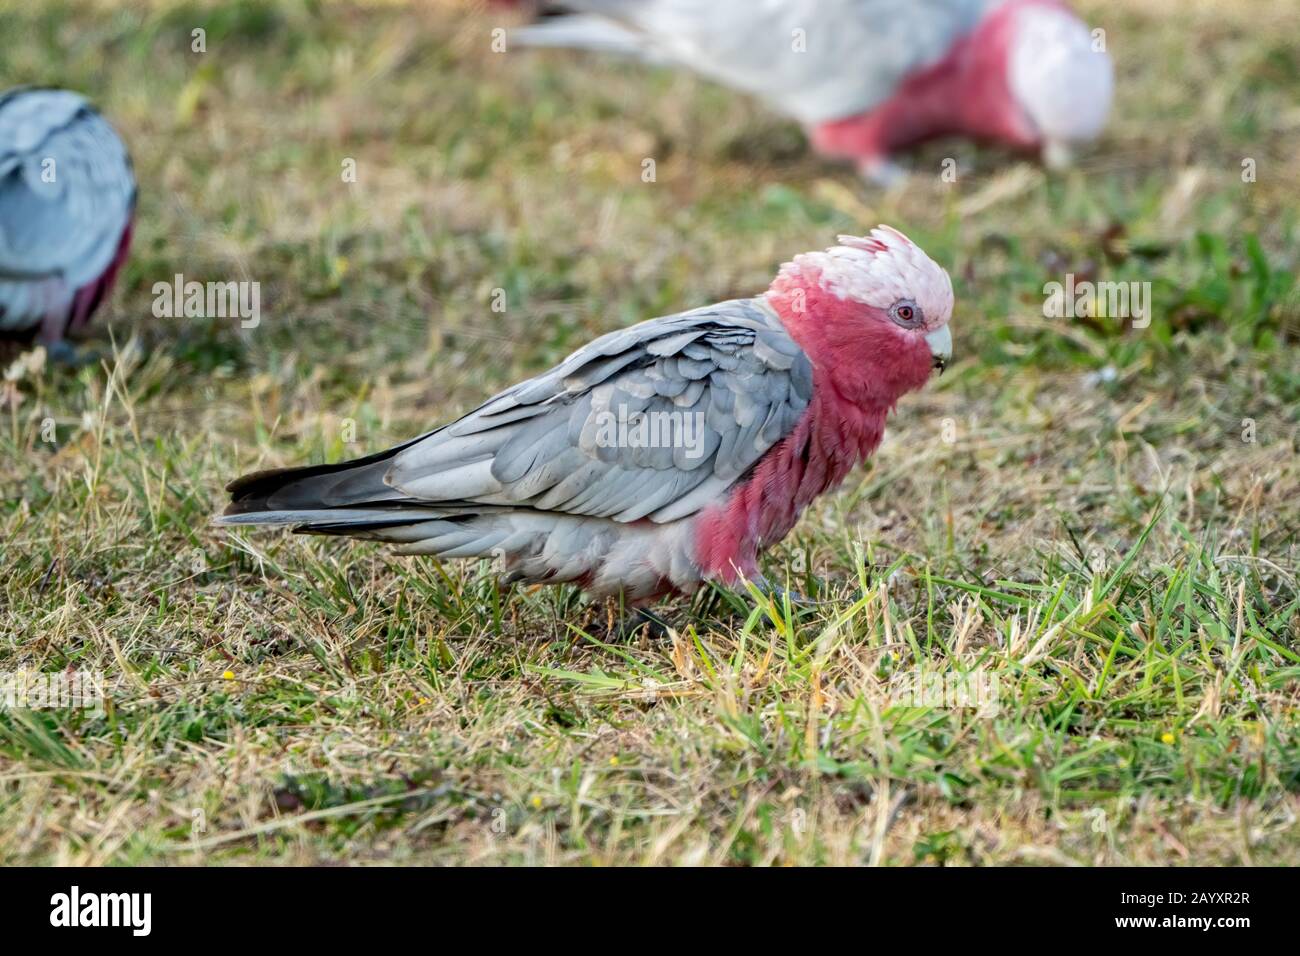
x=774, y=399
x=869, y=77
x=67, y=202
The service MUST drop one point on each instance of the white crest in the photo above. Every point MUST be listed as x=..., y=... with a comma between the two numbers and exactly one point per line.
x=879, y=270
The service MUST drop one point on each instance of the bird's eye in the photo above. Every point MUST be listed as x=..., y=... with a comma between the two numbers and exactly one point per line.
x=906, y=313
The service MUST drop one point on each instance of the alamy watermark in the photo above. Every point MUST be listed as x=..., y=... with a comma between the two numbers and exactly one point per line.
x=1074, y=299
x=977, y=690
x=74, y=908
x=208, y=300
x=52, y=690
x=654, y=429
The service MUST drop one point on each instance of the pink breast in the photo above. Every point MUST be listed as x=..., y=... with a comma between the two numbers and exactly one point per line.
x=831, y=438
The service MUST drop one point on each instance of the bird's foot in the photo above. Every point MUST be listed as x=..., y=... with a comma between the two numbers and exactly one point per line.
x=66, y=354
x=883, y=173
x=1058, y=155
x=780, y=595
x=636, y=623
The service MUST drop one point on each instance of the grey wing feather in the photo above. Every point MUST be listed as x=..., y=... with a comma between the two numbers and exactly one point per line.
x=817, y=60
x=553, y=442
x=66, y=187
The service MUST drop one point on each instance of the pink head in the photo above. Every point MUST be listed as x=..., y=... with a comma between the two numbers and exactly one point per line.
x=871, y=313
x=1030, y=74
x=1035, y=76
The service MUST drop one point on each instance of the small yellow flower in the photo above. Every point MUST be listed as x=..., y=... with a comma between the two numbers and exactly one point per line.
x=1167, y=737
x=613, y=761
x=537, y=802
x=228, y=675
x=424, y=700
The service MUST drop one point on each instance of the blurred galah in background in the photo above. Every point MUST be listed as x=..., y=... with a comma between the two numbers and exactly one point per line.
x=661, y=455
x=67, y=201
x=869, y=77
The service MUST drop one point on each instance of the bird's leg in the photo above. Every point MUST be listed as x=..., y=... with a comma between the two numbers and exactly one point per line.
x=632, y=623
x=68, y=355
x=863, y=138
x=882, y=172
x=1057, y=155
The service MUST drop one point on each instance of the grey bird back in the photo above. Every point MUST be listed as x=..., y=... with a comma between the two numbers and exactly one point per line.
x=817, y=60
x=66, y=196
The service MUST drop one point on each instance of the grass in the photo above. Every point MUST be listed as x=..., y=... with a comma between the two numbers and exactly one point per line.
x=1071, y=521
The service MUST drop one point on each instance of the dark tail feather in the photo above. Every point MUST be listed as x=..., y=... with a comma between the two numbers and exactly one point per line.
x=352, y=498
x=348, y=498
x=327, y=498
x=348, y=483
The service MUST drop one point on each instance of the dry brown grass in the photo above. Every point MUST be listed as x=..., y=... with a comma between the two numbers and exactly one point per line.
x=379, y=709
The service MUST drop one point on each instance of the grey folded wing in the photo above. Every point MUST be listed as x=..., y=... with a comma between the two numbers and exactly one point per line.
x=716, y=389
x=654, y=421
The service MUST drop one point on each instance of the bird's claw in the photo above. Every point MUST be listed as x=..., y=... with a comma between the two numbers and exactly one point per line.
x=66, y=354
x=883, y=173
x=780, y=595
x=636, y=622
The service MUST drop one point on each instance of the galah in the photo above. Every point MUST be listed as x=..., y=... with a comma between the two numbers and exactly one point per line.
x=869, y=77
x=67, y=203
x=658, y=456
